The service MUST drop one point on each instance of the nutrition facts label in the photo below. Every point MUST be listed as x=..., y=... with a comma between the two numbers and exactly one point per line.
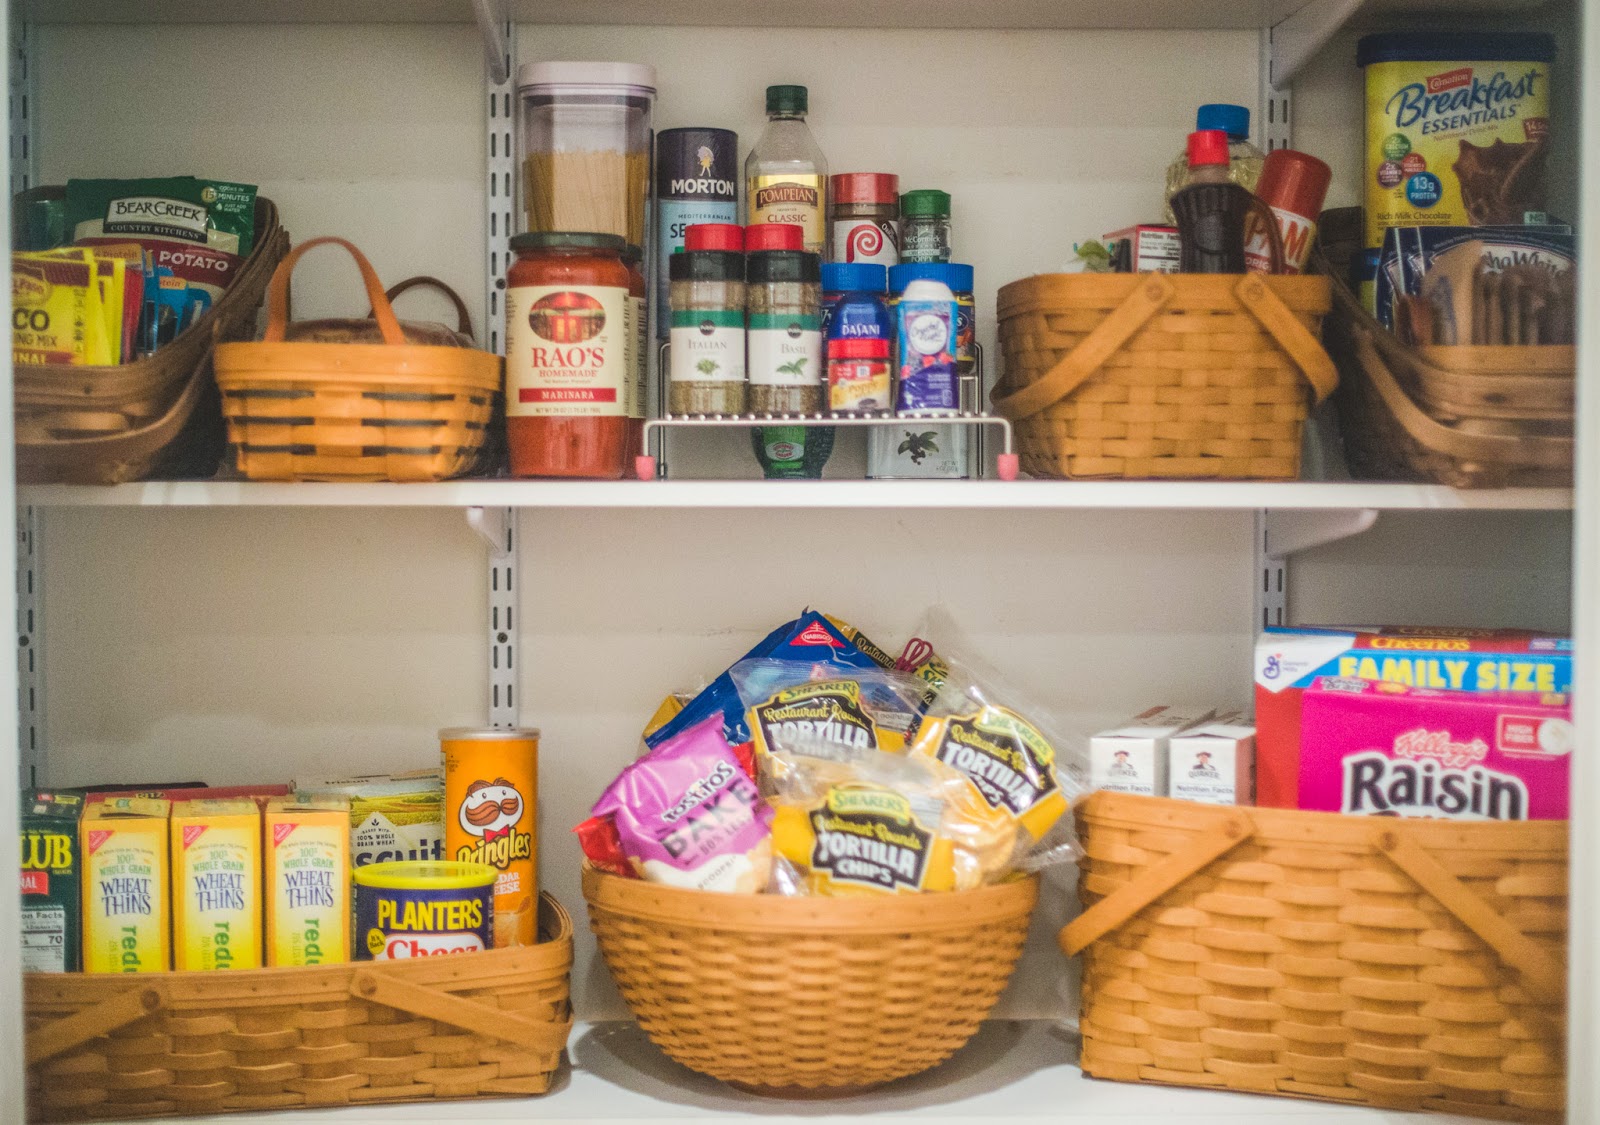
x=44, y=940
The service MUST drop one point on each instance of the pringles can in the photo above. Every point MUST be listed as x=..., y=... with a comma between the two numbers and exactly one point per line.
x=491, y=792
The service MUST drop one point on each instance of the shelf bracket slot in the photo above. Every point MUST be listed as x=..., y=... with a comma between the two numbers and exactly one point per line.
x=498, y=527
x=30, y=650
x=1282, y=534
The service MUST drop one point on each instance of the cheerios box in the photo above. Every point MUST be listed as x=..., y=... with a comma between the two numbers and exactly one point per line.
x=1290, y=659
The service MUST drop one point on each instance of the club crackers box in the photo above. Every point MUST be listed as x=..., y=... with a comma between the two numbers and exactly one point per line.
x=1132, y=757
x=52, y=883
x=1290, y=659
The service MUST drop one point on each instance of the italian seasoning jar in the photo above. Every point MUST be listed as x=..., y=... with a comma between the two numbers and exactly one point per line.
x=783, y=297
x=707, y=298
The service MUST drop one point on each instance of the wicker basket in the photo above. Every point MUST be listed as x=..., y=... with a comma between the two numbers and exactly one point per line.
x=471, y=1025
x=801, y=996
x=395, y=411
x=1410, y=964
x=1162, y=376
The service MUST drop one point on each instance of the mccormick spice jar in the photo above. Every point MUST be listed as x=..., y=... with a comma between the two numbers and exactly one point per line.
x=697, y=181
x=783, y=297
x=708, y=341
x=864, y=218
x=572, y=387
x=925, y=226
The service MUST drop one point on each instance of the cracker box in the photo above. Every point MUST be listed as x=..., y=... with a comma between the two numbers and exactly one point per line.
x=1377, y=749
x=1213, y=763
x=1151, y=249
x=307, y=873
x=216, y=884
x=1289, y=660
x=52, y=883
x=392, y=816
x=1132, y=758
x=127, y=902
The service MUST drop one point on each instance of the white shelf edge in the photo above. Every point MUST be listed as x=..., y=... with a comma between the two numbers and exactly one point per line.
x=827, y=494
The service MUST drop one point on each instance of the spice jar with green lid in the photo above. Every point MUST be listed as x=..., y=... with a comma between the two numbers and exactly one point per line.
x=707, y=297
x=783, y=299
x=925, y=226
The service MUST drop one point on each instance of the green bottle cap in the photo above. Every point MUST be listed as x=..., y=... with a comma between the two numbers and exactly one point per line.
x=786, y=99
x=925, y=203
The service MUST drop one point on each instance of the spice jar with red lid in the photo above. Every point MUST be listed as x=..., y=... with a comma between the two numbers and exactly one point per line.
x=773, y=236
x=864, y=218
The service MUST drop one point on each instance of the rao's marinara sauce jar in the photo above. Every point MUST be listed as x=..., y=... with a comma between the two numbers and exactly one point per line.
x=573, y=406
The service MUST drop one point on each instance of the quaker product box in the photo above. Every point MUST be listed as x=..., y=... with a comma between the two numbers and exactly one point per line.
x=216, y=884
x=1132, y=757
x=1150, y=248
x=1290, y=659
x=1214, y=763
x=307, y=876
x=1381, y=749
x=52, y=882
x=127, y=900
x=398, y=816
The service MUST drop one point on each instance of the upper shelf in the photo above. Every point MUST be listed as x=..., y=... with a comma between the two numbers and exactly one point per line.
x=830, y=494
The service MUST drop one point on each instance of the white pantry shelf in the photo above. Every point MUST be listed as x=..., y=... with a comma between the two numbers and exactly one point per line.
x=825, y=494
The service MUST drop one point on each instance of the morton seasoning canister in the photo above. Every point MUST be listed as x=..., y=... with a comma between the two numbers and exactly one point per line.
x=491, y=789
x=412, y=909
x=697, y=181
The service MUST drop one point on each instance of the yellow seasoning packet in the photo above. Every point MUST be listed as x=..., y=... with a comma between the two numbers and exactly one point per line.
x=1008, y=762
x=57, y=314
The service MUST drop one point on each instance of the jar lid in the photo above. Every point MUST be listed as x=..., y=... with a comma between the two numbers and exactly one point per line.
x=714, y=236
x=1233, y=120
x=599, y=75
x=1455, y=46
x=706, y=265
x=787, y=99
x=1294, y=181
x=570, y=240
x=864, y=187
x=773, y=236
x=953, y=274
x=765, y=266
x=632, y=254
x=854, y=277
x=858, y=347
x=925, y=202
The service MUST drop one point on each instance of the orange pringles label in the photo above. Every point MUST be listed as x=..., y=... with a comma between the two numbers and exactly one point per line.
x=491, y=792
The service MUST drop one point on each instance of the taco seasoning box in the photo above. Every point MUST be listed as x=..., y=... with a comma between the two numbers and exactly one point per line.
x=925, y=226
x=783, y=301
x=570, y=381
x=1458, y=127
x=918, y=449
x=786, y=177
x=52, y=883
x=708, y=344
x=857, y=333
x=491, y=791
x=697, y=181
x=307, y=874
x=406, y=909
x=216, y=884
x=864, y=218
x=127, y=916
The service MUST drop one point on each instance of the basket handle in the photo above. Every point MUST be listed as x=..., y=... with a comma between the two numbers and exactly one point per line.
x=1292, y=336
x=1154, y=881
x=1143, y=302
x=278, y=293
x=1541, y=975
x=423, y=281
x=58, y=1036
x=430, y=1003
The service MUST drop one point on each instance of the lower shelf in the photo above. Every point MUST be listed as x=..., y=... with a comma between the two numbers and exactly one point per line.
x=1013, y=1071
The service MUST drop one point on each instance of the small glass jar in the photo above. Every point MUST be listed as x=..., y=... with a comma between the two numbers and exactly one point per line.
x=707, y=373
x=864, y=218
x=925, y=226
x=783, y=300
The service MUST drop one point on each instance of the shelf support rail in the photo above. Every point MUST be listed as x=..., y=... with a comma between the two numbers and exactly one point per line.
x=30, y=657
x=1280, y=534
x=498, y=527
x=500, y=179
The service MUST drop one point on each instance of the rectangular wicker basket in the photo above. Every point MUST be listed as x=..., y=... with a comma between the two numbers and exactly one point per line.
x=1162, y=376
x=1409, y=964
x=109, y=1046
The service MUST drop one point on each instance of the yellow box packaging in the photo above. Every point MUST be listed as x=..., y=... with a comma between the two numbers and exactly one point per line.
x=307, y=842
x=58, y=312
x=126, y=896
x=216, y=884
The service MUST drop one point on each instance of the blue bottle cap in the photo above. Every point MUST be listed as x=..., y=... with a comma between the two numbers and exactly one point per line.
x=854, y=277
x=957, y=276
x=1233, y=120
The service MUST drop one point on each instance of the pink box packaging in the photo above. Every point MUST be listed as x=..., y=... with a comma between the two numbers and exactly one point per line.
x=1379, y=749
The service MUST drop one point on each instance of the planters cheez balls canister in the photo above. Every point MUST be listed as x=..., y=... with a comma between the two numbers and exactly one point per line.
x=491, y=792
x=697, y=181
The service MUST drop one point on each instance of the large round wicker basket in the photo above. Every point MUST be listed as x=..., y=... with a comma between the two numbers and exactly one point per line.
x=807, y=996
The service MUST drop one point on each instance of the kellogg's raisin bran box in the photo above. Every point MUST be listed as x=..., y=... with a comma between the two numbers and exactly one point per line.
x=1290, y=659
x=1377, y=749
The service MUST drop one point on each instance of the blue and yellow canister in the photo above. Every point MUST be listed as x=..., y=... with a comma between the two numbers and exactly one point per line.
x=415, y=908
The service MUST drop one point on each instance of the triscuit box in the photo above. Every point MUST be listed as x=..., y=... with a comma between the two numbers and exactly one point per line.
x=127, y=924
x=1214, y=763
x=392, y=816
x=52, y=883
x=216, y=884
x=1132, y=757
x=307, y=841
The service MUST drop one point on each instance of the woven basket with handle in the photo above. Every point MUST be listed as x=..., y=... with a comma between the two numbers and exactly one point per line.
x=112, y=1046
x=1162, y=376
x=1410, y=964
x=808, y=995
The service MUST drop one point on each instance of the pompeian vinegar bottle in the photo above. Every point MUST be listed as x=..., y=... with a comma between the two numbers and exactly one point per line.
x=785, y=175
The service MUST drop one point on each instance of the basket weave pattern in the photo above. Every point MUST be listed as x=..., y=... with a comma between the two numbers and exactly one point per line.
x=808, y=994
x=1149, y=376
x=1404, y=964
x=105, y=1046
